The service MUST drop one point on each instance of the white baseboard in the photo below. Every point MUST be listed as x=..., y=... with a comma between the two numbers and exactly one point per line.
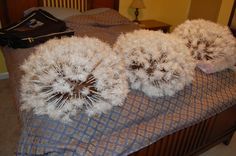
x=4, y=76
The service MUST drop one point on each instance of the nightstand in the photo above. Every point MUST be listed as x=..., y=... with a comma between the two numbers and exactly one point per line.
x=154, y=25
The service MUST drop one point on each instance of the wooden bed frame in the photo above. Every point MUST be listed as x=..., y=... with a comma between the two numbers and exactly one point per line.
x=10, y=12
x=195, y=139
x=189, y=141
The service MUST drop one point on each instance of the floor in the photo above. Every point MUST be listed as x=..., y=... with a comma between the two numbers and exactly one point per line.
x=9, y=129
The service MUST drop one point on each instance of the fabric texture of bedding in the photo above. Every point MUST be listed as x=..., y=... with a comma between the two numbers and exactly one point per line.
x=95, y=11
x=140, y=122
x=107, y=25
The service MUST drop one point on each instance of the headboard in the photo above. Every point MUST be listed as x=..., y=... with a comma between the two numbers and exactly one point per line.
x=81, y=5
x=14, y=8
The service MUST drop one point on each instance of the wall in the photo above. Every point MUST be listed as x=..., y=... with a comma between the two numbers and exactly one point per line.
x=15, y=8
x=169, y=11
x=205, y=9
x=2, y=63
x=225, y=11
x=175, y=12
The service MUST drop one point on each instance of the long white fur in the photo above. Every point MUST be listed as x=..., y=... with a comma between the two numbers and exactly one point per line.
x=78, y=58
x=143, y=45
x=214, y=38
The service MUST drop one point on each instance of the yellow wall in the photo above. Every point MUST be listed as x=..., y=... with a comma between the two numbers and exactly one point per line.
x=170, y=11
x=225, y=11
x=205, y=9
x=2, y=63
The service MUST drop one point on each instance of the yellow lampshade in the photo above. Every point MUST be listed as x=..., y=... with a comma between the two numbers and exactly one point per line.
x=137, y=4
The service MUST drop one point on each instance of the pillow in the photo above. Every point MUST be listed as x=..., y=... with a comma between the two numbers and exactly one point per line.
x=60, y=13
x=156, y=63
x=210, y=67
x=213, y=46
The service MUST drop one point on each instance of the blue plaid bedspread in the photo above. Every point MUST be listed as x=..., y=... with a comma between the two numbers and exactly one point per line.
x=138, y=123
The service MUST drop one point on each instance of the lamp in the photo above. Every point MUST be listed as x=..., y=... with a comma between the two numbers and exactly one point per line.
x=137, y=4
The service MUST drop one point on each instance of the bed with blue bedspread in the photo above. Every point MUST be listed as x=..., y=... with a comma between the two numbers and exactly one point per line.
x=140, y=122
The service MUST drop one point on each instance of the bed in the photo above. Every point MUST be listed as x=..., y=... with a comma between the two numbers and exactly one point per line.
x=188, y=123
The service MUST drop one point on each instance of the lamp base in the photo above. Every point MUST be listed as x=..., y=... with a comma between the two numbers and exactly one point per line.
x=136, y=16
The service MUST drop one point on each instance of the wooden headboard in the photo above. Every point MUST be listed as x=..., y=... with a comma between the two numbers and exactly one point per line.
x=13, y=9
x=81, y=5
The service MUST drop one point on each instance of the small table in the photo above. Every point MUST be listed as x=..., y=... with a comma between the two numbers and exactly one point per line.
x=154, y=25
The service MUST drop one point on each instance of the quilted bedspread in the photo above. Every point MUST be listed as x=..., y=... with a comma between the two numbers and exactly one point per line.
x=123, y=130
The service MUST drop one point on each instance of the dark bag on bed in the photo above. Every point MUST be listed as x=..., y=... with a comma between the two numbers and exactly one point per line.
x=38, y=27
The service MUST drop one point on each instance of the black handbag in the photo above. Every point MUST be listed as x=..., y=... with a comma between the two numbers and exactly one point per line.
x=37, y=27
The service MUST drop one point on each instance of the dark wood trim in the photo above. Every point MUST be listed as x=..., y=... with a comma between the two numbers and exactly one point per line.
x=232, y=14
x=105, y=3
x=228, y=140
x=40, y=2
x=233, y=30
x=116, y=5
x=3, y=13
x=154, y=25
x=91, y=4
x=15, y=9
